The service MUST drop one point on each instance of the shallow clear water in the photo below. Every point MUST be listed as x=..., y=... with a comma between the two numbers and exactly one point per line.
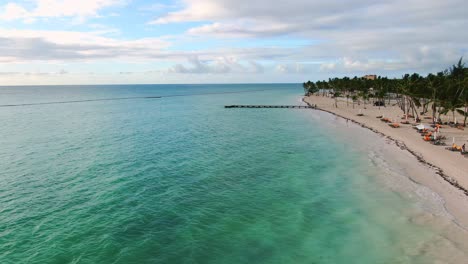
x=184, y=180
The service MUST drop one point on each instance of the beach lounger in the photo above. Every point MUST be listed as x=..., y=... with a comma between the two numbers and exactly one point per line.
x=438, y=142
x=394, y=125
x=454, y=147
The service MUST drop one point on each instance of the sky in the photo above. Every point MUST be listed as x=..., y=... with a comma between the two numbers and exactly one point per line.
x=225, y=41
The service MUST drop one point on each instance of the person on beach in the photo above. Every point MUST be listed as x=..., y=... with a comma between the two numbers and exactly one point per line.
x=463, y=148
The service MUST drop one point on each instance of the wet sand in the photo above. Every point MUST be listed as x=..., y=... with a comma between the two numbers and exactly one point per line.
x=439, y=205
x=445, y=172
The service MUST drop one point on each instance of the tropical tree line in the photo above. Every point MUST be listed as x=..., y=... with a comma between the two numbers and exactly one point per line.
x=441, y=93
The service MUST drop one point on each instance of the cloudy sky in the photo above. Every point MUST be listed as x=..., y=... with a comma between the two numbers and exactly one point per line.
x=222, y=41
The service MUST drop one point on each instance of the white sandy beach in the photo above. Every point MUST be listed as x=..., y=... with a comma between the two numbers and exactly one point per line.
x=445, y=173
x=450, y=169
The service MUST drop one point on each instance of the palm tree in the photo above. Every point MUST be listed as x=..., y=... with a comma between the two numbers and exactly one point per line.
x=464, y=98
x=335, y=96
x=312, y=88
x=354, y=98
x=306, y=89
x=432, y=85
x=456, y=88
x=365, y=96
x=443, y=92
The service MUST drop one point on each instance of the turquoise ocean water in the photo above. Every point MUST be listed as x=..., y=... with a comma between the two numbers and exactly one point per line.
x=181, y=179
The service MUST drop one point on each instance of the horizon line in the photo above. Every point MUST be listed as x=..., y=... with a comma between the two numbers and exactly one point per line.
x=128, y=84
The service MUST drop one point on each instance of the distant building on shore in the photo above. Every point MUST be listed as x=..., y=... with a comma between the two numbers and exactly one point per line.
x=370, y=77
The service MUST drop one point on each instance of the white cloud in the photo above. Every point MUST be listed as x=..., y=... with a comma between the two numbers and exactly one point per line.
x=14, y=11
x=197, y=10
x=282, y=68
x=56, y=8
x=157, y=7
x=262, y=10
x=42, y=45
x=34, y=73
x=391, y=35
x=296, y=68
x=220, y=65
x=241, y=29
x=344, y=37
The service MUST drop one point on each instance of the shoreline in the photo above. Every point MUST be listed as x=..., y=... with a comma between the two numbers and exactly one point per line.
x=403, y=146
x=455, y=196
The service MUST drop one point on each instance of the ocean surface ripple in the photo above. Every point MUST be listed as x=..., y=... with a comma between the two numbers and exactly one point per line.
x=183, y=180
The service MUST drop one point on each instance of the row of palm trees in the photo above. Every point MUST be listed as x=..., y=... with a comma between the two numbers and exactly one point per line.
x=441, y=93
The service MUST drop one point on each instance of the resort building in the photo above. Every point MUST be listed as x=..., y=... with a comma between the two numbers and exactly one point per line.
x=370, y=77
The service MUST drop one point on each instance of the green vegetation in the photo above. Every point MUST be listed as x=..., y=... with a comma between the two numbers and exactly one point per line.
x=442, y=93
